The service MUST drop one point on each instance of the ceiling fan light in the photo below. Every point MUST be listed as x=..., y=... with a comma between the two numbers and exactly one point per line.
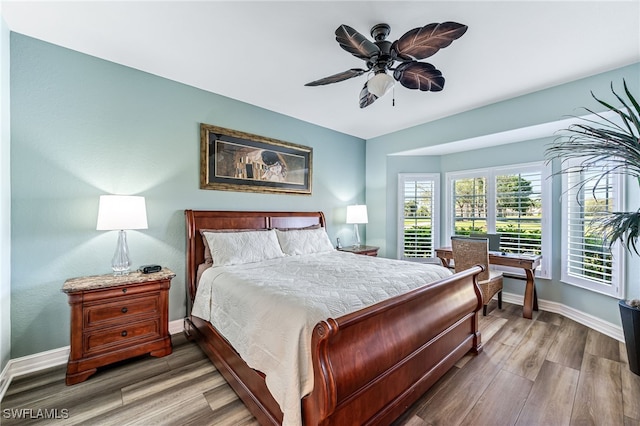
x=380, y=84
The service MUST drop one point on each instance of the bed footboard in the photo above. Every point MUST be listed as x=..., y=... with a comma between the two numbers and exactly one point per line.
x=370, y=366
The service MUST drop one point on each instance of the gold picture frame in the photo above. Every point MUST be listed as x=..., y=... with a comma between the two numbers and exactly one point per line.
x=236, y=161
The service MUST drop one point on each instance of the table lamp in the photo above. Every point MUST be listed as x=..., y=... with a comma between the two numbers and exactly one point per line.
x=357, y=214
x=121, y=212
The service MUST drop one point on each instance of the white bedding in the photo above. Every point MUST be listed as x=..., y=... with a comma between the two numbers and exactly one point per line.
x=267, y=310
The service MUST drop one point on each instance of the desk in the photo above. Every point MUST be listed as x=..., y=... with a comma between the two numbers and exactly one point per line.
x=527, y=262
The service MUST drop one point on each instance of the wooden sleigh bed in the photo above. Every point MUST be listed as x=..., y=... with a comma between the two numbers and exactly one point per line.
x=417, y=336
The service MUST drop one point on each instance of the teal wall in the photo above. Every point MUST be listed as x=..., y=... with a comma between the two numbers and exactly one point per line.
x=5, y=201
x=82, y=127
x=545, y=106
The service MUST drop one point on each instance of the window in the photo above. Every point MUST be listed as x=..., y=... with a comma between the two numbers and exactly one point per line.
x=519, y=211
x=418, y=228
x=470, y=204
x=511, y=201
x=586, y=259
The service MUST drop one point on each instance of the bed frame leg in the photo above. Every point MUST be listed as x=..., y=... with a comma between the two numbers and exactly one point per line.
x=477, y=337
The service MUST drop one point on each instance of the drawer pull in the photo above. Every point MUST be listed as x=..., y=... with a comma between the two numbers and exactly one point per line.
x=124, y=290
x=124, y=310
x=124, y=333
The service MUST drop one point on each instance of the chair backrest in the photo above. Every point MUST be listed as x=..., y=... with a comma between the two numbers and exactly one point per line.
x=468, y=252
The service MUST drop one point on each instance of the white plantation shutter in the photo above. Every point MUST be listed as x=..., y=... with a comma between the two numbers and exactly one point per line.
x=418, y=223
x=587, y=261
x=470, y=205
x=518, y=211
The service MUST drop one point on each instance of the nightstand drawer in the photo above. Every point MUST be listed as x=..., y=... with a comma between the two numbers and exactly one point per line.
x=125, y=335
x=120, y=310
x=118, y=292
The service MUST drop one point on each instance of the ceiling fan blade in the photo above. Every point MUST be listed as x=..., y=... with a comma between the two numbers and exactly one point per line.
x=422, y=42
x=345, y=75
x=419, y=75
x=366, y=98
x=355, y=43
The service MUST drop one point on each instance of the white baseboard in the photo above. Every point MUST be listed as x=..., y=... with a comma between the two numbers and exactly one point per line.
x=176, y=326
x=4, y=381
x=30, y=363
x=40, y=361
x=43, y=360
x=604, y=327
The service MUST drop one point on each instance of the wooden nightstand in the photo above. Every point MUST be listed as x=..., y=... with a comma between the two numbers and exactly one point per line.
x=365, y=250
x=115, y=318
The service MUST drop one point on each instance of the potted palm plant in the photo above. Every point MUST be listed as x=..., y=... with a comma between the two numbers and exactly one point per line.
x=591, y=142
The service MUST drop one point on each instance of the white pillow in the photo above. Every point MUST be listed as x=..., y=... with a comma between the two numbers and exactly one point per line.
x=235, y=248
x=304, y=241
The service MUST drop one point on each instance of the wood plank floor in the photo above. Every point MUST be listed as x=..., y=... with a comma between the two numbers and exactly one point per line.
x=545, y=371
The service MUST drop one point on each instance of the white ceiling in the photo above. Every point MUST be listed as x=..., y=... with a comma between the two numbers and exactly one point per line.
x=263, y=52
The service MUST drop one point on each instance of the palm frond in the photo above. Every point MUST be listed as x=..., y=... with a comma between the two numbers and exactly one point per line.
x=621, y=226
x=599, y=140
x=596, y=141
x=632, y=100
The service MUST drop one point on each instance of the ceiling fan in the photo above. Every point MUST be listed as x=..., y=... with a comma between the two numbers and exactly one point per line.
x=381, y=55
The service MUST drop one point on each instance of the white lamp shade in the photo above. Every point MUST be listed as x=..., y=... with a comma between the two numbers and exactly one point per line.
x=121, y=212
x=357, y=214
x=380, y=84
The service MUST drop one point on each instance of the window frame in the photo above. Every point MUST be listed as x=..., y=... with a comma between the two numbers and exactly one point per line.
x=435, y=213
x=490, y=173
x=616, y=288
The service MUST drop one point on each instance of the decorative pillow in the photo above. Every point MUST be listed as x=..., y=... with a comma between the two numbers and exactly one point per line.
x=304, y=241
x=235, y=248
x=207, y=251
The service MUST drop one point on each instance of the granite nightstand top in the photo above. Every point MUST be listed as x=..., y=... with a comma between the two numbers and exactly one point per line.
x=95, y=282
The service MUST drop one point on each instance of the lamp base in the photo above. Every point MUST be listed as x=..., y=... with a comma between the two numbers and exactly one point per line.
x=121, y=263
x=357, y=243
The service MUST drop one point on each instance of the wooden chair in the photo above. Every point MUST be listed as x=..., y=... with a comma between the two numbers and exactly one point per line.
x=468, y=252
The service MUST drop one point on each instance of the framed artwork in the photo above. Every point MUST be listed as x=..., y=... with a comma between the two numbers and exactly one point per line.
x=237, y=161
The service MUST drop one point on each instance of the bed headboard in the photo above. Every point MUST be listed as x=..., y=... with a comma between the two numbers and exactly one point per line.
x=212, y=219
